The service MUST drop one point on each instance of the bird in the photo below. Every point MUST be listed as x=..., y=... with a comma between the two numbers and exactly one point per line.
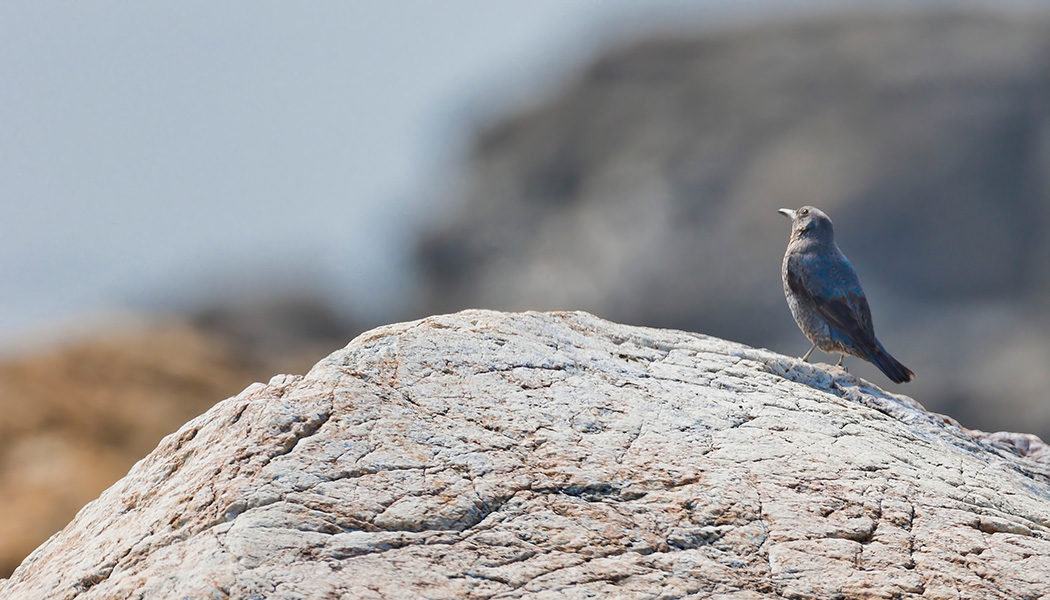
x=825, y=297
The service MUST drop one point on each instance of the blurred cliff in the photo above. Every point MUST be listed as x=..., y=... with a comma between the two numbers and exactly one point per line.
x=645, y=192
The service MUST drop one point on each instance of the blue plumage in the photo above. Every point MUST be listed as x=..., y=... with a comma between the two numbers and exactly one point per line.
x=825, y=297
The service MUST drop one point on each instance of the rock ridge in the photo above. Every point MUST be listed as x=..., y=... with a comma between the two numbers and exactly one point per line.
x=558, y=455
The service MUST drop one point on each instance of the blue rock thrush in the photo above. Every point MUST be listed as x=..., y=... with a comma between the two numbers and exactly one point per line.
x=825, y=296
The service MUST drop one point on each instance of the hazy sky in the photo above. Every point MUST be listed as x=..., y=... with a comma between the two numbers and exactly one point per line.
x=156, y=153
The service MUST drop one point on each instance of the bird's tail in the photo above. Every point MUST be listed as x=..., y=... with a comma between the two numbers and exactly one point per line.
x=893, y=369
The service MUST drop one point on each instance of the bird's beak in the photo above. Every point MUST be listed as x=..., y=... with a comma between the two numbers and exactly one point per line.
x=787, y=212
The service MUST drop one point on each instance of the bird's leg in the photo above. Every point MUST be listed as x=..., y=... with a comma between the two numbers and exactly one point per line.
x=805, y=358
x=842, y=358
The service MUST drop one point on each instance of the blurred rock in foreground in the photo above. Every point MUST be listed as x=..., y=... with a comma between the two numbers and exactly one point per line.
x=646, y=192
x=77, y=417
x=484, y=455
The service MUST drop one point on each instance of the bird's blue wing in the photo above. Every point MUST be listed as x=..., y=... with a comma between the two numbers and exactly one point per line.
x=844, y=307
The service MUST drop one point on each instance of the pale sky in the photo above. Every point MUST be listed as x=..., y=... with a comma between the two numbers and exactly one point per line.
x=154, y=154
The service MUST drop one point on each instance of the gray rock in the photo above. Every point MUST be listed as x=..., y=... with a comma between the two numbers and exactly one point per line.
x=646, y=192
x=557, y=455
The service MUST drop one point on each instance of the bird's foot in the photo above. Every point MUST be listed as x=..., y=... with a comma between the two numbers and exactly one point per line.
x=805, y=357
x=841, y=364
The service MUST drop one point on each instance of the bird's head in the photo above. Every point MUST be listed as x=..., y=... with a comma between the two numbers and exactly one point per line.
x=809, y=223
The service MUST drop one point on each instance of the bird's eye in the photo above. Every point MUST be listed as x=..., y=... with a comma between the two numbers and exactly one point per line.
x=804, y=212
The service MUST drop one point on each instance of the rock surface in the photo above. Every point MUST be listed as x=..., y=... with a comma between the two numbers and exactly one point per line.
x=646, y=191
x=557, y=455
